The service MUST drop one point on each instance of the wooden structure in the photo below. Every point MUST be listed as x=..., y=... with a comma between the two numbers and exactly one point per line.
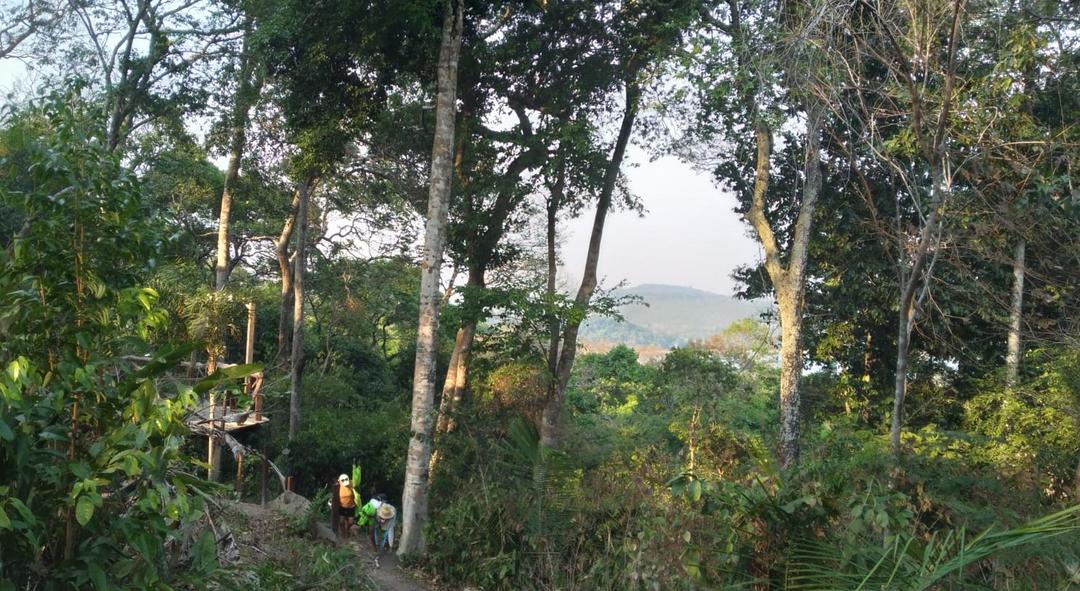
x=217, y=421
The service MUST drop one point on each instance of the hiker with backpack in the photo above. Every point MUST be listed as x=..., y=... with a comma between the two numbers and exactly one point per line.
x=381, y=517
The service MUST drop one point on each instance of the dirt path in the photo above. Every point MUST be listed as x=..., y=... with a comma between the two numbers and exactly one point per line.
x=388, y=575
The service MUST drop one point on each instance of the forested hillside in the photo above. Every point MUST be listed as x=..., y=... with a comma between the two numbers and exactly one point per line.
x=669, y=316
x=281, y=296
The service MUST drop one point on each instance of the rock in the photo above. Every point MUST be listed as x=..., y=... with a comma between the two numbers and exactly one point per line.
x=289, y=502
x=323, y=532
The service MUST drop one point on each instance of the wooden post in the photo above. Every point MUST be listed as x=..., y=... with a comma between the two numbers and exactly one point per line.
x=335, y=507
x=249, y=348
x=289, y=483
x=262, y=478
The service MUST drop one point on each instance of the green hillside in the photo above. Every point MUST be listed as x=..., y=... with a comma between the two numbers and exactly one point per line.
x=670, y=316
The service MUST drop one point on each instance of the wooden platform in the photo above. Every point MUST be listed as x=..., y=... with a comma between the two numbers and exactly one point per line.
x=231, y=421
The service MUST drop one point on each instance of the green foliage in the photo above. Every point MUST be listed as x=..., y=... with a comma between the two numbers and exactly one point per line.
x=607, y=381
x=297, y=563
x=343, y=426
x=680, y=490
x=1032, y=432
x=911, y=563
x=97, y=489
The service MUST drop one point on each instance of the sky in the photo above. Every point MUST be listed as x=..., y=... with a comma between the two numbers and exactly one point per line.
x=689, y=236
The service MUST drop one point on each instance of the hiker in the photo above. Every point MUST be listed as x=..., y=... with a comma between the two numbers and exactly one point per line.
x=381, y=517
x=382, y=532
x=347, y=505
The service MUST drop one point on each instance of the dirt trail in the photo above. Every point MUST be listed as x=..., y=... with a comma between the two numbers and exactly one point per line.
x=388, y=576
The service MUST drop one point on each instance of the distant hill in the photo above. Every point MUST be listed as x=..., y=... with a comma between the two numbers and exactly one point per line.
x=669, y=316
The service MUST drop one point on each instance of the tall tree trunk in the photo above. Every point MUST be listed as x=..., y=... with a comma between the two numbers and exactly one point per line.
x=247, y=92
x=456, y=377
x=553, y=400
x=1014, y=353
x=549, y=424
x=297, y=366
x=553, y=206
x=788, y=281
x=414, y=495
x=285, y=267
x=791, y=362
x=241, y=106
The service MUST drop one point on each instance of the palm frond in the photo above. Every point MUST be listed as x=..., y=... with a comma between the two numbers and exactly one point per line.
x=907, y=563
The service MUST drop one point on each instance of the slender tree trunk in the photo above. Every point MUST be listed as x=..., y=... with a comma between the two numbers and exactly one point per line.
x=441, y=425
x=213, y=451
x=246, y=93
x=285, y=267
x=553, y=400
x=453, y=391
x=549, y=424
x=915, y=277
x=414, y=495
x=555, y=202
x=929, y=236
x=788, y=280
x=457, y=373
x=1014, y=354
x=297, y=366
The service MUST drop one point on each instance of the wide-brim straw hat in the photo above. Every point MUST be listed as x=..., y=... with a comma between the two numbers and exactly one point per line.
x=386, y=512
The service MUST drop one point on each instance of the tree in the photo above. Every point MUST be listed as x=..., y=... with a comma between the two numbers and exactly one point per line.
x=913, y=49
x=643, y=36
x=21, y=23
x=249, y=83
x=544, y=65
x=143, y=60
x=414, y=498
x=762, y=69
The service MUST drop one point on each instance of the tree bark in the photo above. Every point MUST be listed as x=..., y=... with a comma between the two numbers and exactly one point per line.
x=213, y=451
x=285, y=267
x=246, y=92
x=553, y=206
x=788, y=281
x=549, y=424
x=1014, y=353
x=297, y=366
x=456, y=378
x=928, y=236
x=414, y=495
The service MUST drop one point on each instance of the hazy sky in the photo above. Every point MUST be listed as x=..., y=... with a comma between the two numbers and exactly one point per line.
x=689, y=235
